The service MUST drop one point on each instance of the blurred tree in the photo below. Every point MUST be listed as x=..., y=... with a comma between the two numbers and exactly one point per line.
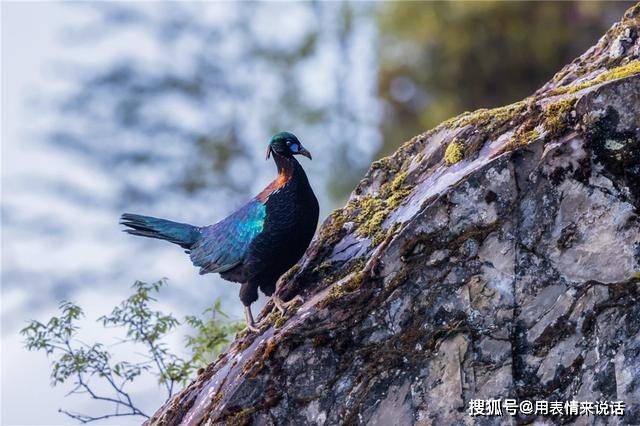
x=91, y=369
x=191, y=98
x=439, y=59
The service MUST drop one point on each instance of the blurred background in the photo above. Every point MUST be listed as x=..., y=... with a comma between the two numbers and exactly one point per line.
x=165, y=109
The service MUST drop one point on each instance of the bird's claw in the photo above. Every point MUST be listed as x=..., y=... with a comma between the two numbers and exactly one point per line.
x=248, y=316
x=283, y=306
x=295, y=300
x=253, y=328
x=280, y=306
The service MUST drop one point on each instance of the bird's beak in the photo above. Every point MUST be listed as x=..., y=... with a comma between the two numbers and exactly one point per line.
x=304, y=152
x=268, y=154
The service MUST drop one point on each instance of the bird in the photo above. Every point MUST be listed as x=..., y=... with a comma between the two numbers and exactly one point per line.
x=257, y=243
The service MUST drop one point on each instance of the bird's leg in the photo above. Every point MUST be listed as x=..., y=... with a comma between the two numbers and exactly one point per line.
x=248, y=316
x=282, y=305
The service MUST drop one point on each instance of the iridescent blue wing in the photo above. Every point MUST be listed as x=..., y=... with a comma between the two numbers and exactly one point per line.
x=225, y=244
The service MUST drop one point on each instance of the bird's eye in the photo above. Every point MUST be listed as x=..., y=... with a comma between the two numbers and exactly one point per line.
x=288, y=143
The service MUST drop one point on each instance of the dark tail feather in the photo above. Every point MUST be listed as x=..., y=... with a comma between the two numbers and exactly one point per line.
x=183, y=234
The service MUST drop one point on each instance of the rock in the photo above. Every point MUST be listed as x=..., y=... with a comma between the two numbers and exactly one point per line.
x=510, y=271
x=621, y=43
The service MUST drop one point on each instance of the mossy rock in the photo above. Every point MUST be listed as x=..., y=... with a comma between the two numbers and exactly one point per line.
x=621, y=71
x=454, y=153
x=524, y=138
x=557, y=117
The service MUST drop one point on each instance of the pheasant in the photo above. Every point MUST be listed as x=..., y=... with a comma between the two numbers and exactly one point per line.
x=257, y=243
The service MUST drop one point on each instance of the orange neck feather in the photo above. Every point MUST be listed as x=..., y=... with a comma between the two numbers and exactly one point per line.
x=285, y=172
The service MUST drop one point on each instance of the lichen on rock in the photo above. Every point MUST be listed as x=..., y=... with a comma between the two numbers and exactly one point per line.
x=557, y=117
x=524, y=137
x=626, y=70
x=454, y=153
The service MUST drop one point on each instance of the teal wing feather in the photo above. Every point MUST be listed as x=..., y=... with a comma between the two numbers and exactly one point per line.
x=224, y=245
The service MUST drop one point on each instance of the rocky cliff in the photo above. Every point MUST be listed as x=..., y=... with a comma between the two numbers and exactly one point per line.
x=495, y=256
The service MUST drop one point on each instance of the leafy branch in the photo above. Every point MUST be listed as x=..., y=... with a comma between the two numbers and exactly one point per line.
x=81, y=364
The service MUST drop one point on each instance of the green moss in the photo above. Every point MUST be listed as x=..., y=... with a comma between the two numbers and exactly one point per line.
x=324, y=266
x=242, y=417
x=373, y=224
x=379, y=237
x=454, y=153
x=524, y=138
x=622, y=71
x=290, y=273
x=371, y=212
x=340, y=290
x=244, y=343
x=218, y=397
x=331, y=231
x=355, y=282
x=557, y=117
x=367, y=207
x=367, y=212
x=382, y=164
x=490, y=120
x=275, y=318
x=395, y=199
x=396, y=183
x=396, y=191
x=351, y=279
x=337, y=291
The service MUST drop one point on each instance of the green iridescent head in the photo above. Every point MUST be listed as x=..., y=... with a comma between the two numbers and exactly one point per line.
x=286, y=144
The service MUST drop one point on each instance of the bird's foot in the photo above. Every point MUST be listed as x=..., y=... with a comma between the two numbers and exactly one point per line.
x=283, y=306
x=248, y=316
x=253, y=328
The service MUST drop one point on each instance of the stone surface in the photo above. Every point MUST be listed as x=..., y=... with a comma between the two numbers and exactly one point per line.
x=513, y=273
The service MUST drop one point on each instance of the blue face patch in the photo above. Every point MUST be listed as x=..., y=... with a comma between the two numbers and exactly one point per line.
x=294, y=148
